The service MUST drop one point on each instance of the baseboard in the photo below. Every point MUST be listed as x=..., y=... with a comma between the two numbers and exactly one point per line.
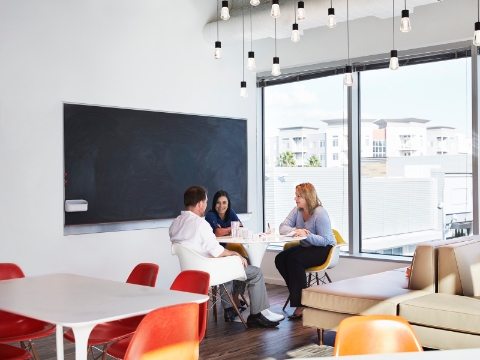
x=274, y=281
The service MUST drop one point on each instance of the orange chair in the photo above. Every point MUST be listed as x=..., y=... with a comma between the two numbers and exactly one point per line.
x=168, y=333
x=375, y=334
x=8, y=352
x=143, y=274
x=193, y=281
x=17, y=328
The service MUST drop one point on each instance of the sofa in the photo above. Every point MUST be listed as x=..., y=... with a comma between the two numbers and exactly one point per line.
x=440, y=298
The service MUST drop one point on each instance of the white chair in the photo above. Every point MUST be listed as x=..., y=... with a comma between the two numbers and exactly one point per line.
x=221, y=270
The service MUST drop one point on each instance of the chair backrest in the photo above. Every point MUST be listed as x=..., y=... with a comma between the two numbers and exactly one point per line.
x=338, y=237
x=333, y=255
x=10, y=271
x=168, y=333
x=197, y=282
x=221, y=270
x=375, y=334
x=9, y=352
x=144, y=274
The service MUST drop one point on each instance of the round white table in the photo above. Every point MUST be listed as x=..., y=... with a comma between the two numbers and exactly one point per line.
x=255, y=250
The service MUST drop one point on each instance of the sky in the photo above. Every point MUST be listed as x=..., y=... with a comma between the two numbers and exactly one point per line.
x=439, y=92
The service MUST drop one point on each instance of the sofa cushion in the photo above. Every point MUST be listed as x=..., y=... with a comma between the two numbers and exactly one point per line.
x=372, y=294
x=459, y=268
x=443, y=311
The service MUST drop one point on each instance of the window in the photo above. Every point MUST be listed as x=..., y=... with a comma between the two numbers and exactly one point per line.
x=300, y=120
x=335, y=141
x=401, y=193
x=367, y=141
x=335, y=156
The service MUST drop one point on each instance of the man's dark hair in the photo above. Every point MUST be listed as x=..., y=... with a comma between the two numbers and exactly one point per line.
x=193, y=195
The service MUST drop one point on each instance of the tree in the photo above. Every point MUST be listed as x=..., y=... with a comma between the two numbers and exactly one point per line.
x=286, y=159
x=314, y=162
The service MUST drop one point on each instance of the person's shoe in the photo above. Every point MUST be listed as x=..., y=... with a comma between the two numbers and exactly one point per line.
x=258, y=320
x=295, y=316
x=229, y=314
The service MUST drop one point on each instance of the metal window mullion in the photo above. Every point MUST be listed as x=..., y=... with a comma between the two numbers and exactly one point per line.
x=261, y=156
x=475, y=141
x=354, y=169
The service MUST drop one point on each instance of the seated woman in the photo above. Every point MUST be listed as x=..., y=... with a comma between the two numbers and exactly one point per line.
x=220, y=219
x=308, y=219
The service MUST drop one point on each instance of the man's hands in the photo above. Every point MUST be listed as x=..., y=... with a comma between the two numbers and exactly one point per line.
x=227, y=252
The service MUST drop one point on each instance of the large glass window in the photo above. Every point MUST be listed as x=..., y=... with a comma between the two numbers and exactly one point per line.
x=417, y=176
x=298, y=114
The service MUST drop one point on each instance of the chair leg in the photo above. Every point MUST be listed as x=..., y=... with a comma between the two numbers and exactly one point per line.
x=318, y=280
x=214, y=299
x=104, y=353
x=320, y=336
x=235, y=307
x=244, y=300
x=286, y=303
x=309, y=281
x=34, y=351
x=206, y=323
x=328, y=277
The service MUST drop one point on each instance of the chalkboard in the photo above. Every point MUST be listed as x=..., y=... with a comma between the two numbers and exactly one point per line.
x=133, y=165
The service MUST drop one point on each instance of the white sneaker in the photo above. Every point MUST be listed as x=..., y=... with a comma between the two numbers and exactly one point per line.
x=270, y=315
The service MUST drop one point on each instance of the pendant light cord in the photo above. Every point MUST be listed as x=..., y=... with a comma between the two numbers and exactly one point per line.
x=393, y=24
x=276, y=37
x=218, y=39
x=405, y=4
x=295, y=13
x=348, y=38
x=251, y=30
x=243, y=40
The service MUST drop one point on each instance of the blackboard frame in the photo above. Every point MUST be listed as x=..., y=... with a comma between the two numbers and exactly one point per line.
x=146, y=223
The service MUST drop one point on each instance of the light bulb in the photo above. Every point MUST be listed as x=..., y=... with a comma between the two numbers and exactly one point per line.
x=295, y=33
x=254, y=2
x=243, y=89
x=218, y=50
x=394, y=65
x=276, y=66
x=331, y=21
x=348, y=77
x=476, y=35
x=251, y=60
x=405, y=22
x=224, y=13
x=275, y=9
x=301, y=11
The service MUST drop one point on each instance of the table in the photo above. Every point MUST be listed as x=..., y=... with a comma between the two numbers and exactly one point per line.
x=255, y=250
x=81, y=302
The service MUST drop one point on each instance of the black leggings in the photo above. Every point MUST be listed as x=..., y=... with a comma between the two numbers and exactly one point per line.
x=291, y=264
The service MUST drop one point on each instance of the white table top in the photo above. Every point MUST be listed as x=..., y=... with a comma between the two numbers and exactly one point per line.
x=263, y=239
x=74, y=300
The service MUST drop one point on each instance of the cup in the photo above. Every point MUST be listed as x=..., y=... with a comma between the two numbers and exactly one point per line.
x=271, y=229
x=245, y=233
x=235, y=226
x=250, y=234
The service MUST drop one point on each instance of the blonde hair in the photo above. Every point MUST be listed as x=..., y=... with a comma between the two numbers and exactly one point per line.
x=308, y=192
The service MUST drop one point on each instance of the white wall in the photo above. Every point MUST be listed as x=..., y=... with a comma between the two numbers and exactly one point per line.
x=123, y=53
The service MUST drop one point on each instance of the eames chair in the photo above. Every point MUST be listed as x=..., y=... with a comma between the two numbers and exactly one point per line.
x=189, y=281
x=17, y=328
x=168, y=333
x=330, y=263
x=143, y=274
x=221, y=270
x=375, y=334
x=8, y=352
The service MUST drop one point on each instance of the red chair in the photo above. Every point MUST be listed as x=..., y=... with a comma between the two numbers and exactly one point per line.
x=168, y=333
x=8, y=352
x=193, y=281
x=17, y=328
x=143, y=274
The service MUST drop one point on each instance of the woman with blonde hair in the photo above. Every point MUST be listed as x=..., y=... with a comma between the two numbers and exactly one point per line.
x=310, y=220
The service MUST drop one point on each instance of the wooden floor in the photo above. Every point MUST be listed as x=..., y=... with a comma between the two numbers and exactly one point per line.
x=231, y=340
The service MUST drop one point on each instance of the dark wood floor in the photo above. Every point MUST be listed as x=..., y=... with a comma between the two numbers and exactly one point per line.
x=232, y=340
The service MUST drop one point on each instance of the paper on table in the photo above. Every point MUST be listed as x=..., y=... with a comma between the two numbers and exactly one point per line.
x=291, y=233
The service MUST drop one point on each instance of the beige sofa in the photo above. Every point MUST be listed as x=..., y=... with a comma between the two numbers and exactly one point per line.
x=441, y=299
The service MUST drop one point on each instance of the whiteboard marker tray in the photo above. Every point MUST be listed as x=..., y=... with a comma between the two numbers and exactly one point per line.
x=76, y=205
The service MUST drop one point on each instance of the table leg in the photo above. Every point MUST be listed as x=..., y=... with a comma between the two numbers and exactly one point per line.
x=255, y=252
x=81, y=341
x=59, y=338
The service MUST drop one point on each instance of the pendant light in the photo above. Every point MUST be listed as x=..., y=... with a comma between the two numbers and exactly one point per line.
x=301, y=11
x=348, y=77
x=243, y=83
x=405, y=23
x=476, y=35
x=254, y=2
x=218, y=44
x=275, y=9
x=331, y=21
x=295, y=33
x=393, y=54
x=251, y=54
x=225, y=14
x=276, y=60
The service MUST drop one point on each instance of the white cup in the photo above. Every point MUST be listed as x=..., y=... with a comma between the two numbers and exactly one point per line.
x=250, y=234
x=271, y=230
x=245, y=233
x=235, y=227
